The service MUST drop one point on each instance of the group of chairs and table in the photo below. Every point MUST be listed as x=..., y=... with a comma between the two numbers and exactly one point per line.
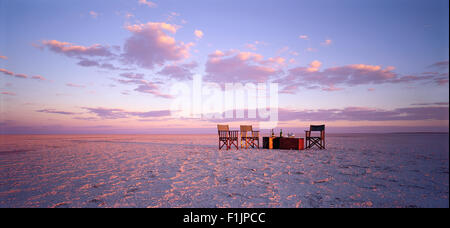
x=249, y=138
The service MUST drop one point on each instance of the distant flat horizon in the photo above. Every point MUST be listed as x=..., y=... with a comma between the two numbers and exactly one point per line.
x=211, y=133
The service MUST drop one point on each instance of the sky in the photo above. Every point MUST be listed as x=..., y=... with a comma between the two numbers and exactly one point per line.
x=96, y=66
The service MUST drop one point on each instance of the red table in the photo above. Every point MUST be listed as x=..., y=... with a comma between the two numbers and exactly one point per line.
x=283, y=143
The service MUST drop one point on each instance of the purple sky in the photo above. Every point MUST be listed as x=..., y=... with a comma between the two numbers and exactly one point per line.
x=108, y=67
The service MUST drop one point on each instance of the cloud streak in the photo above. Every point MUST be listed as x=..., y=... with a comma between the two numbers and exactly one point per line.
x=38, y=77
x=366, y=114
x=144, y=86
x=8, y=93
x=72, y=50
x=349, y=75
x=53, y=111
x=74, y=85
x=116, y=113
x=179, y=72
x=6, y=72
x=23, y=76
x=440, y=113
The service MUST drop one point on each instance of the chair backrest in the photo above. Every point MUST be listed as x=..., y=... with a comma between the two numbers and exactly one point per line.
x=317, y=128
x=245, y=128
x=222, y=127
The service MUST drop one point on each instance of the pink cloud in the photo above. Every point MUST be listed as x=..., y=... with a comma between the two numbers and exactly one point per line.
x=282, y=50
x=366, y=114
x=75, y=85
x=314, y=66
x=7, y=72
x=108, y=113
x=327, y=42
x=24, y=76
x=442, y=81
x=147, y=3
x=117, y=113
x=198, y=33
x=251, y=47
x=132, y=75
x=145, y=87
x=8, y=93
x=236, y=66
x=129, y=15
x=88, y=63
x=432, y=104
x=95, y=63
x=274, y=62
x=357, y=114
x=93, y=14
x=151, y=88
x=72, y=50
x=150, y=45
x=21, y=75
x=38, y=77
x=303, y=37
x=3, y=57
x=181, y=72
x=350, y=75
x=53, y=111
x=254, y=46
x=441, y=64
x=331, y=88
x=172, y=15
x=441, y=76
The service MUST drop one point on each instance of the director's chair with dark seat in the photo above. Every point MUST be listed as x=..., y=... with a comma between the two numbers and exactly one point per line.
x=227, y=137
x=318, y=141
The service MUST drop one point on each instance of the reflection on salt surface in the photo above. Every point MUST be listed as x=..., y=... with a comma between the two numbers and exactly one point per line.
x=395, y=170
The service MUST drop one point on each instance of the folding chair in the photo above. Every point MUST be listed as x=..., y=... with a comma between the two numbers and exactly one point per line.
x=318, y=141
x=226, y=137
x=249, y=137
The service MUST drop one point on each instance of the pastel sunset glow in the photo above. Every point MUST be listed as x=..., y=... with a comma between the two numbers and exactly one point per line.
x=108, y=67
